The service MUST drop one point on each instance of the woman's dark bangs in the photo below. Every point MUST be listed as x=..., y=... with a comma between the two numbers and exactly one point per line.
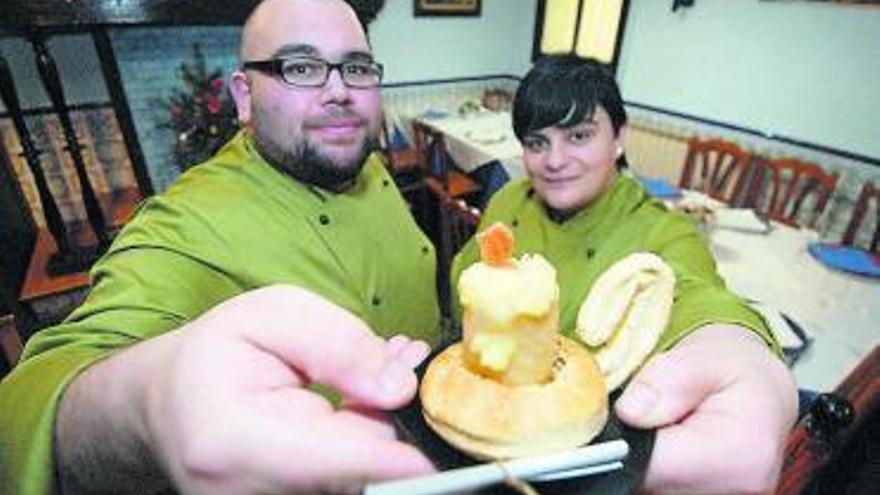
x=548, y=102
x=584, y=99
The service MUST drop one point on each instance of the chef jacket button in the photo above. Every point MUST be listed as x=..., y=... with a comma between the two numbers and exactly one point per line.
x=385, y=182
x=425, y=250
x=515, y=222
x=324, y=219
x=591, y=252
x=376, y=301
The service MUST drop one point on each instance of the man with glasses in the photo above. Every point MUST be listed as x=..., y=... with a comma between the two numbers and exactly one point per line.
x=297, y=77
x=284, y=261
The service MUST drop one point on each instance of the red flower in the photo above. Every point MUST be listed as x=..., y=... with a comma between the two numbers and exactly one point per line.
x=213, y=104
x=217, y=83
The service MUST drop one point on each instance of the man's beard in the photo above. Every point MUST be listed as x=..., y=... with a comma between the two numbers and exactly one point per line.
x=306, y=163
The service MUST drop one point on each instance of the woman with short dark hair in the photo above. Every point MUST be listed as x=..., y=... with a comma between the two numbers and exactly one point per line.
x=715, y=387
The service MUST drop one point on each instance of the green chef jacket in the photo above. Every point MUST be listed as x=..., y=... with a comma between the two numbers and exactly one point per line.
x=226, y=226
x=623, y=220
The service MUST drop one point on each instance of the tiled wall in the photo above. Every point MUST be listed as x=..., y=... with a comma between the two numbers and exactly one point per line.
x=149, y=60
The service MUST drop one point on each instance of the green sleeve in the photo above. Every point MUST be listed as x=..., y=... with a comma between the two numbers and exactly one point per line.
x=137, y=293
x=700, y=296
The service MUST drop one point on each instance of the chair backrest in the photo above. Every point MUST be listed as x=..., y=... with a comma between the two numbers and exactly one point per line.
x=716, y=167
x=790, y=191
x=869, y=193
x=456, y=223
x=400, y=159
x=432, y=151
x=433, y=154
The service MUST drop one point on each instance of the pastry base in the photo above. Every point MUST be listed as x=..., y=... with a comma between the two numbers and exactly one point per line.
x=490, y=420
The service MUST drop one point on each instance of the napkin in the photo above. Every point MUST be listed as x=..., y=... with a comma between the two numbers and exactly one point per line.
x=659, y=188
x=397, y=140
x=793, y=338
x=742, y=219
x=434, y=114
x=846, y=258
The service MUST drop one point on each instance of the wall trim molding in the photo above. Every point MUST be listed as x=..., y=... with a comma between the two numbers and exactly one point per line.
x=453, y=80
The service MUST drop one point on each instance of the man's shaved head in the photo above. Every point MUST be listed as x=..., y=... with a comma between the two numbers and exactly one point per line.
x=255, y=34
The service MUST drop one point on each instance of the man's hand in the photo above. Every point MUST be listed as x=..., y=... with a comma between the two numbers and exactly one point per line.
x=227, y=410
x=723, y=406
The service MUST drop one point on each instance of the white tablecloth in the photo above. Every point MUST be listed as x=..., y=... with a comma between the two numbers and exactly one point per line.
x=840, y=311
x=479, y=139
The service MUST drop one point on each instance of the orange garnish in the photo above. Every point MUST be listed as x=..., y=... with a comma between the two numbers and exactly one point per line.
x=496, y=244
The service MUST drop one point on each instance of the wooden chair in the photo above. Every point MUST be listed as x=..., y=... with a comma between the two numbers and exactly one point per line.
x=824, y=454
x=433, y=155
x=790, y=191
x=869, y=193
x=458, y=222
x=455, y=223
x=716, y=167
x=399, y=160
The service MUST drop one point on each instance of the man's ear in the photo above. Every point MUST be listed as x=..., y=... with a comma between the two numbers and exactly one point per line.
x=240, y=88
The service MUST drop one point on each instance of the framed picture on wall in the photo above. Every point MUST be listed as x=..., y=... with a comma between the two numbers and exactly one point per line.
x=424, y=8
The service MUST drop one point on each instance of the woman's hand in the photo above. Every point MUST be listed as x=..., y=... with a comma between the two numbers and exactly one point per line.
x=723, y=405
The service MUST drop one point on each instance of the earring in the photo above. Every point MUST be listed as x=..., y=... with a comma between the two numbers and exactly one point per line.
x=619, y=151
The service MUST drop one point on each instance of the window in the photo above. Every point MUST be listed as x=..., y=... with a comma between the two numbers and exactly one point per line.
x=589, y=28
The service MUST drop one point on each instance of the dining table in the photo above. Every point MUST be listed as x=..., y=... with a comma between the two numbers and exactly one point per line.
x=838, y=312
x=827, y=320
x=478, y=138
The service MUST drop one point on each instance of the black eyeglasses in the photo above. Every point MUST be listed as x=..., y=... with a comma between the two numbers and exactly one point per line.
x=306, y=72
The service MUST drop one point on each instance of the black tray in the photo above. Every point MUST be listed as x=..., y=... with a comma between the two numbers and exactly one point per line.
x=412, y=427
